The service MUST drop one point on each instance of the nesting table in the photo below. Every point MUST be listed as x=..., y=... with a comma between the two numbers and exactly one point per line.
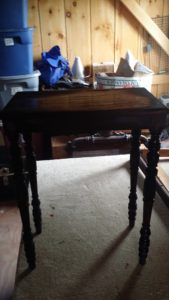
x=84, y=111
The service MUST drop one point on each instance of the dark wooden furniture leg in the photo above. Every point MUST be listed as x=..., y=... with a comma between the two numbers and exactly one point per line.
x=149, y=194
x=32, y=170
x=134, y=165
x=21, y=192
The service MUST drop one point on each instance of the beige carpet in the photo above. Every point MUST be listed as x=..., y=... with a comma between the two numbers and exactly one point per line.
x=86, y=251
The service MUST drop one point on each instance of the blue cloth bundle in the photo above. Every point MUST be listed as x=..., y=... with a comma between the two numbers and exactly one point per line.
x=53, y=66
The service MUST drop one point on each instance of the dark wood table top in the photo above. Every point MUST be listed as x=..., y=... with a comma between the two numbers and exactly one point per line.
x=86, y=110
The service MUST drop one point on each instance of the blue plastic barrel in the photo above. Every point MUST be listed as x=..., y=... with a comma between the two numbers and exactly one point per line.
x=16, y=53
x=13, y=14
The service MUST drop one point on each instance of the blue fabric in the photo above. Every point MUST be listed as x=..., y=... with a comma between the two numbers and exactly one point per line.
x=53, y=66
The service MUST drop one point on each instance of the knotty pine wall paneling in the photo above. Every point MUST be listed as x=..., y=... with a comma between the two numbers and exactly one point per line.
x=77, y=19
x=97, y=31
x=102, y=31
x=155, y=59
x=151, y=59
x=126, y=32
x=52, y=23
x=34, y=21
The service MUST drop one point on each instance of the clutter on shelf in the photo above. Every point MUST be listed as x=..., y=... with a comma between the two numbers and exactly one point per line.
x=130, y=73
x=56, y=72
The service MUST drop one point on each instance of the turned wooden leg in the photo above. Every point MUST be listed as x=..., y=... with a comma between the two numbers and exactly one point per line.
x=149, y=195
x=134, y=165
x=32, y=169
x=21, y=193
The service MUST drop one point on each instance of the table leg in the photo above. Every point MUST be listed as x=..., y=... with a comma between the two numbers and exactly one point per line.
x=32, y=169
x=149, y=194
x=134, y=165
x=21, y=192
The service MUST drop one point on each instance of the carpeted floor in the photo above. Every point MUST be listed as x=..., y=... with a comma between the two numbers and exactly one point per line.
x=86, y=251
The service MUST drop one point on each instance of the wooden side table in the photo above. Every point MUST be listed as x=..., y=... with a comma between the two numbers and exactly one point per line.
x=85, y=111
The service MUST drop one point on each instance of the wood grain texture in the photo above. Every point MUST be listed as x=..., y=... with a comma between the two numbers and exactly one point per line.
x=97, y=31
x=153, y=8
x=148, y=24
x=163, y=89
x=154, y=90
x=33, y=21
x=150, y=58
x=77, y=18
x=166, y=8
x=126, y=33
x=52, y=22
x=83, y=100
x=161, y=79
x=160, y=85
x=10, y=237
x=103, y=31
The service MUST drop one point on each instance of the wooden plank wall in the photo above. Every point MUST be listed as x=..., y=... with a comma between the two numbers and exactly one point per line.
x=97, y=31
